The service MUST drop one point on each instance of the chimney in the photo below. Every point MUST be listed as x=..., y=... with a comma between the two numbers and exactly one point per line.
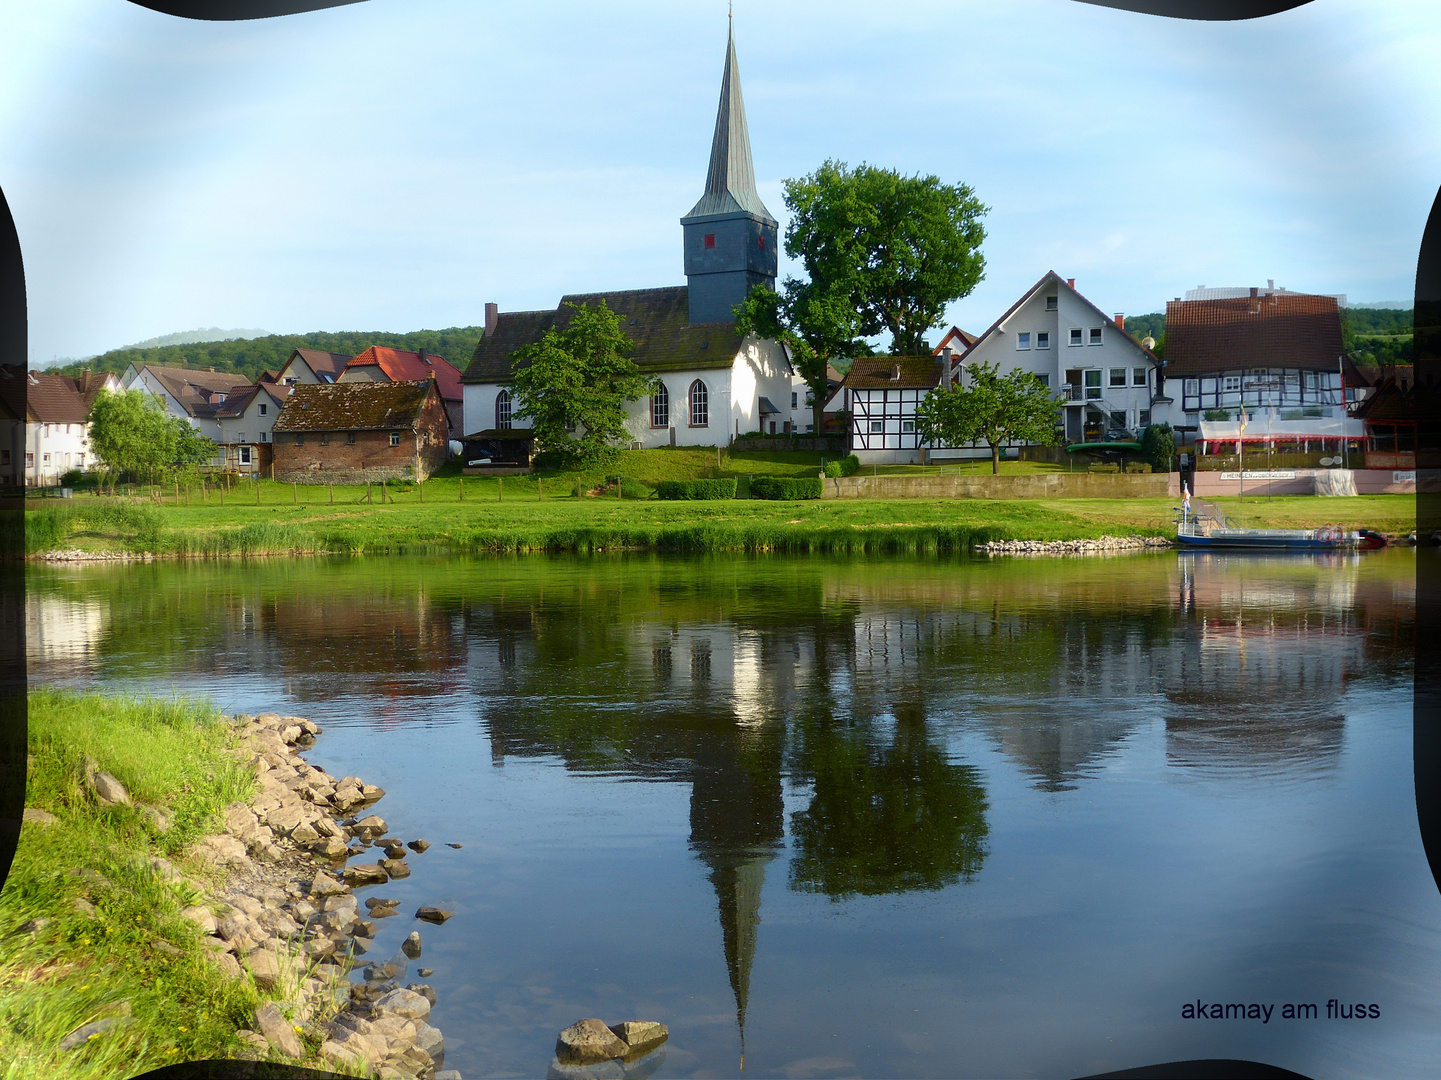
x=423, y=358
x=946, y=354
x=492, y=319
x=1071, y=282
x=896, y=373
x=1120, y=321
x=1254, y=290
x=1270, y=284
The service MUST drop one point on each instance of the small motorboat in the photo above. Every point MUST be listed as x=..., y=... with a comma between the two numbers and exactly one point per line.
x=1206, y=528
x=1370, y=540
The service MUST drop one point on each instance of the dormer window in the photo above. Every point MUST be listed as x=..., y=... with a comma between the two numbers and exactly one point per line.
x=895, y=373
x=710, y=239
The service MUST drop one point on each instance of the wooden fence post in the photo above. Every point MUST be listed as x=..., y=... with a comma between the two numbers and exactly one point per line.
x=500, y=489
x=462, y=489
x=382, y=493
x=368, y=499
x=539, y=492
x=294, y=492
x=332, y=494
x=420, y=487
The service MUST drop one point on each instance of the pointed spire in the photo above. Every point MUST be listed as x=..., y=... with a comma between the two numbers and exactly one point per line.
x=731, y=182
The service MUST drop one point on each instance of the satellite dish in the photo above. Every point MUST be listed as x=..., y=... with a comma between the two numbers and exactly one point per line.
x=1148, y=341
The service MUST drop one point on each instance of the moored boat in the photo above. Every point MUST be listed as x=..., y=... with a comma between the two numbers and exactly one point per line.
x=1208, y=529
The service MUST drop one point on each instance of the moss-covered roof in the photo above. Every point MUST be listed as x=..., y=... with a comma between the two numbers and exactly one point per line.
x=358, y=406
x=656, y=320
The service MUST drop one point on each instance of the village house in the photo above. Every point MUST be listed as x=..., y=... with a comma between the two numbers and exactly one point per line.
x=1107, y=382
x=1276, y=354
x=309, y=366
x=714, y=383
x=189, y=393
x=244, y=425
x=57, y=429
x=882, y=393
x=381, y=364
x=347, y=433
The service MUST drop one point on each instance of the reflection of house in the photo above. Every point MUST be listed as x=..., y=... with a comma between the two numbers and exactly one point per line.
x=713, y=384
x=358, y=432
x=1276, y=354
x=1106, y=379
x=57, y=431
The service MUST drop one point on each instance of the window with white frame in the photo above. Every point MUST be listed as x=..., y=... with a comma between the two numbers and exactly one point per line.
x=1043, y=339
x=660, y=407
x=264, y=437
x=908, y=426
x=1093, y=383
x=1144, y=417
x=795, y=398
x=262, y=408
x=1095, y=335
x=1050, y=303
x=1023, y=340
x=1230, y=384
x=1310, y=379
x=245, y=455
x=1043, y=378
x=1118, y=377
x=1138, y=376
x=878, y=427
x=502, y=412
x=699, y=405
x=1076, y=335
x=1191, y=387
x=395, y=438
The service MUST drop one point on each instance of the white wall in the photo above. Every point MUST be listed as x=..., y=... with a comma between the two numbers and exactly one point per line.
x=51, y=450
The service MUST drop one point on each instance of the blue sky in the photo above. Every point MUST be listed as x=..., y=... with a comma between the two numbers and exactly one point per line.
x=395, y=164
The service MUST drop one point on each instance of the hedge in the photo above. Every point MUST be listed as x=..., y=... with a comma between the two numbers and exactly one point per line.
x=846, y=466
x=782, y=487
x=696, y=489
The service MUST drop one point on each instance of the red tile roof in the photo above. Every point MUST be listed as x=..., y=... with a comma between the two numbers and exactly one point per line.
x=402, y=366
x=1291, y=330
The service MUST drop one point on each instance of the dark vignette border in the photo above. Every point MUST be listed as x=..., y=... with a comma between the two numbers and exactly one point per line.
x=14, y=358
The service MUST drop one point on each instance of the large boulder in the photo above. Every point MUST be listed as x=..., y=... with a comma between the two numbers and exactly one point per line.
x=365, y=874
x=587, y=1042
x=324, y=884
x=411, y=945
x=108, y=791
x=33, y=816
x=433, y=914
x=403, y=1003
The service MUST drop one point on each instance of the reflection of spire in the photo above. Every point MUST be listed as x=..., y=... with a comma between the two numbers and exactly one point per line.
x=737, y=815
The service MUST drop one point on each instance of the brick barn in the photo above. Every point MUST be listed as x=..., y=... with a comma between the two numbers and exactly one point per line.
x=346, y=433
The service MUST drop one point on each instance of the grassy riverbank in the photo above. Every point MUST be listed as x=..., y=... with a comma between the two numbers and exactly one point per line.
x=513, y=516
x=90, y=930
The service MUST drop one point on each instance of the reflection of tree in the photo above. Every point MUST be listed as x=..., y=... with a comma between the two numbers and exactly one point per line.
x=885, y=818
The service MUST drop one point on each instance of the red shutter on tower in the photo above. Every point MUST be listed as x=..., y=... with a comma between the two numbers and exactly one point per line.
x=710, y=239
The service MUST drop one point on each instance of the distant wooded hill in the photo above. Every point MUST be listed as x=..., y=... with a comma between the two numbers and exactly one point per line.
x=250, y=358
x=1371, y=335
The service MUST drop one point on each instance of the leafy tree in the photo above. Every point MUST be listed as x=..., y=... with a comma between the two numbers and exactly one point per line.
x=579, y=380
x=132, y=433
x=882, y=253
x=1158, y=446
x=993, y=409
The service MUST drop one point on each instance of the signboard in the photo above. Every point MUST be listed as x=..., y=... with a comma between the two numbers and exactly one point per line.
x=1403, y=476
x=1261, y=474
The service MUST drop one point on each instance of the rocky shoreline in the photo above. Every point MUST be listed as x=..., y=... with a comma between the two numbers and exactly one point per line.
x=77, y=556
x=287, y=914
x=1101, y=545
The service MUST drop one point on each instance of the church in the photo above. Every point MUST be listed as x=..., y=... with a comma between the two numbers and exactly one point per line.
x=715, y=383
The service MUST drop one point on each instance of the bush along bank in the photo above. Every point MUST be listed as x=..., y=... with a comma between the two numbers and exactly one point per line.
x=240, y=947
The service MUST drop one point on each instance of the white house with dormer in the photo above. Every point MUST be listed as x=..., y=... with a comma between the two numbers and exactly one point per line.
x=1105, y=380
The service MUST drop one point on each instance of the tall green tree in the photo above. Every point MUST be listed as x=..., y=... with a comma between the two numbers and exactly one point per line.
x=132, y=433
x=574, y=385
x=883, y=253
x=993, y=409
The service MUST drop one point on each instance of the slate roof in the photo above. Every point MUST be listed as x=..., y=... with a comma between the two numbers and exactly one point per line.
x=1290, y=330
x=402, y=366
x=875, y=372
x=656, y=320
x=730, y=184
x=357, y=406
x=321, y=363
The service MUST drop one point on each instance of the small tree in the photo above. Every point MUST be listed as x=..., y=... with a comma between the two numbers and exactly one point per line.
x=1158, y=446
x=131, y=433
x=574, y=385
x=994, y=409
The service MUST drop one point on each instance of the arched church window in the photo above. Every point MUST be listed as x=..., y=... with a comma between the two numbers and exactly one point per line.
x=660, y=407
x=699, y=405
x=502, y=411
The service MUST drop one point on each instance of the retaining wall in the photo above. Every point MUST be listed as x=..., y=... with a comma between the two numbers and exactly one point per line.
x=1028, y=486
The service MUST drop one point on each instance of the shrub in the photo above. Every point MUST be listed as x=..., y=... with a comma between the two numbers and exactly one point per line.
x=1158, y=446
x=1138, y=467
x=696, y=489
x=846, y=466
x=1109, y=467
x=786, y=487
x=633, y=489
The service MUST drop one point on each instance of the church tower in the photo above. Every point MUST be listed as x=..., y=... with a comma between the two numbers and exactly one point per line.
x=730, y=237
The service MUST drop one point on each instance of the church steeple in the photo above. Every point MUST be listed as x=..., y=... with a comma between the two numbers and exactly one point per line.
x=730, y=236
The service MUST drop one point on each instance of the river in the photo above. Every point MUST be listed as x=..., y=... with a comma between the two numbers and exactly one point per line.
x=844, y=817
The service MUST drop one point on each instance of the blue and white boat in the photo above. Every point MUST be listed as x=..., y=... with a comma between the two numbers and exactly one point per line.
x=1209, y=530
